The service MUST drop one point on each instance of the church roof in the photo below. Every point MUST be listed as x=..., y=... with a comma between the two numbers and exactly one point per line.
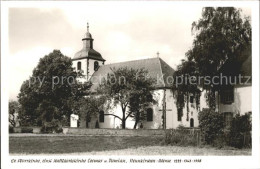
x=88, y=53
x=156, y=67
x=88, y=35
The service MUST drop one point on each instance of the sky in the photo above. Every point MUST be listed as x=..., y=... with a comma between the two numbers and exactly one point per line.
x=121, y=32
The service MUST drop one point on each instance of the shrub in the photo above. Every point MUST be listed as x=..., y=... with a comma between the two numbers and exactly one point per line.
x=220, y=141
x=211, y=124
x=26, y=130
x=240, y=131
x=11, y=129
x=52, y=127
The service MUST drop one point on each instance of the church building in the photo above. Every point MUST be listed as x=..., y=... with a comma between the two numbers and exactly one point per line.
x=93, y=65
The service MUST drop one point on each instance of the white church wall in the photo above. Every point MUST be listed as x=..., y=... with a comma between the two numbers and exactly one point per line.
x=83, y=68
x=203, y=103
x=84, y=63
x=186, y=117
x=157, y=114
x=113, y=122
x=171, y=110
x=91, y=66
x=109, y=122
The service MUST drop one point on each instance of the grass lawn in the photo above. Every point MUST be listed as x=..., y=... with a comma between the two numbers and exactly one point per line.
x=106, y=145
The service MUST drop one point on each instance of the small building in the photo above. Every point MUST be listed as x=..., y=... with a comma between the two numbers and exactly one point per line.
x=236, y=97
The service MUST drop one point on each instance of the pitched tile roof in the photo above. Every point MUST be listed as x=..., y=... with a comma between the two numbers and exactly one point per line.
x=156, y=67
x=88, y=53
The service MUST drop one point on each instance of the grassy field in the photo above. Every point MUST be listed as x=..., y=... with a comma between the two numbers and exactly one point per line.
x=106, y=145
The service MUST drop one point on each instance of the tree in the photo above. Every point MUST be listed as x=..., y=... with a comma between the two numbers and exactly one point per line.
x=127, y=88
x=13, y=112
x=183, y=90
x=141, y=98
x=50, y=93
x=91, y=106
x=220, y=35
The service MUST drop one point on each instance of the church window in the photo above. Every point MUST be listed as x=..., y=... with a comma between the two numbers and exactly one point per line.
x=227, y=95
x=96, y=65
x=79, y=66
x=191, y=122
x=179, y=114
x=101, y=116
x=191, y=99
x=228, y=118
x=149, y=114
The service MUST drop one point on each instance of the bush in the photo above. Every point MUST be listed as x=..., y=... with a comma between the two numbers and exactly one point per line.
x=237, y=135
x=52, y=127
x=181, y=136
x=220, y=141
x=11, y=129
x=26, y=130
x=240, y=131
x=211, y=124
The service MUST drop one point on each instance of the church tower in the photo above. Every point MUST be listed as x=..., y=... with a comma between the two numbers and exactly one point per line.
x=87, y=59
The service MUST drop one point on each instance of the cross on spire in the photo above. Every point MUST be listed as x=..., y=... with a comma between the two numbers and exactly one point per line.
x=158, y=54
x=87, y=27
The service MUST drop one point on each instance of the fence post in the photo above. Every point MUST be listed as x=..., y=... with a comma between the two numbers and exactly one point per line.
x=198, y=138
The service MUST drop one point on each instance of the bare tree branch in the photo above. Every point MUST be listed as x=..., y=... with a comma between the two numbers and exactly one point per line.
x=113, y=115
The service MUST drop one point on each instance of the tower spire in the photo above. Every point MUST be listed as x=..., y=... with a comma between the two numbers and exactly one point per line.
x=87, y=27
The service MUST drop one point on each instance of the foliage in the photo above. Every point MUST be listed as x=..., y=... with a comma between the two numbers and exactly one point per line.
x=126, y=86
x=240, y=131
x=91, y=105
x=26, y=130
x=13, y=112
x=211, y=124
x=221, y=35
x=238, y=135
x=141, y=97
x=11, y=129
x=53, y=126
x=51, y=92
x=183, y=90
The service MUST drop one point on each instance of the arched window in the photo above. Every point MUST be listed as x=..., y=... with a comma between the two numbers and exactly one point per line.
x=149, y=114
x=79, y=66
x=191, y=122
x=96, y=65
x=101, y=116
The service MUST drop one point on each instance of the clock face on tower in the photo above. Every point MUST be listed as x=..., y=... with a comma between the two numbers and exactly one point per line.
x=96, y=65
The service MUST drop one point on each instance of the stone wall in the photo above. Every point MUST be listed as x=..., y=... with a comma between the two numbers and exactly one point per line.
x=27, y=130
x=114, y=132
